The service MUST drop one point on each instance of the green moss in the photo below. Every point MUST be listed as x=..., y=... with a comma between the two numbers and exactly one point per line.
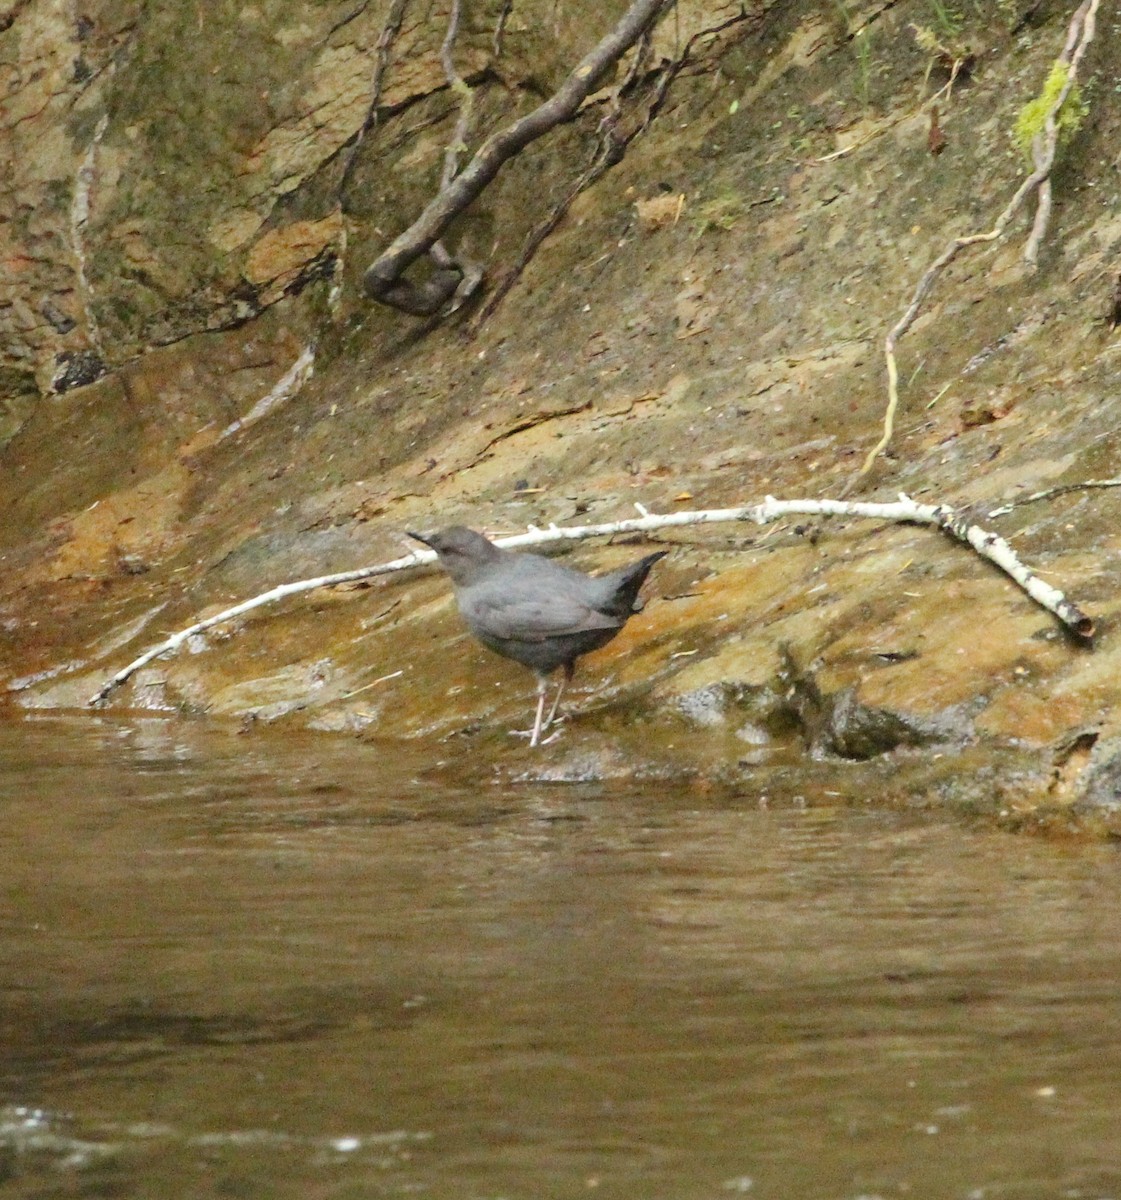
x=722, y=212
x=1033, y=116
x=947, y=21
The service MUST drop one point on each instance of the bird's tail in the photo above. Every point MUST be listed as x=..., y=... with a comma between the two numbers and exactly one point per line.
x=621, y=587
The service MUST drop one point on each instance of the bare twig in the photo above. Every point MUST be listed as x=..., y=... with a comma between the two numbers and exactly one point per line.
x=988, y=545
x=454, y=278
x=1061, y=489
x=945, y=90
x=383, y=278
x=385, y=44
x=500, y=27
x=458, y=143
x=1080, y=34
x=610, y=150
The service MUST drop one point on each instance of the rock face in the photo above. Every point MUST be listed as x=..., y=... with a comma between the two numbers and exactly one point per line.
x=197, y=403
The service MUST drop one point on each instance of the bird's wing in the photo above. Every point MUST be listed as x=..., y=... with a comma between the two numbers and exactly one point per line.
x=551, y=615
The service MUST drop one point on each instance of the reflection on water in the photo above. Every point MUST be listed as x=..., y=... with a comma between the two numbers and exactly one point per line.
x=290, y=967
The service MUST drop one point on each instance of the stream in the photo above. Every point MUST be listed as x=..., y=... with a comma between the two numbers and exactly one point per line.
x=296, y=965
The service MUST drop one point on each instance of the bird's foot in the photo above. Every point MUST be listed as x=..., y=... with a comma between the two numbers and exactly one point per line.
x=541, y=741
x=553, y=721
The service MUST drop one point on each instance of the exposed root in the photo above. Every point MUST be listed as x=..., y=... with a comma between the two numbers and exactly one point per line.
x=1079, y=37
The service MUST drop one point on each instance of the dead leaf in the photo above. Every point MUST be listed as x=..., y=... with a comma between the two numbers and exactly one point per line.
x=658, y=212
x=993, y=407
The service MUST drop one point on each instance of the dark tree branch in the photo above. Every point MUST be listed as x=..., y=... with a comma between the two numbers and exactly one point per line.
x=383, y=279
x=458, y=144
x=500, y=26
x=610, y=150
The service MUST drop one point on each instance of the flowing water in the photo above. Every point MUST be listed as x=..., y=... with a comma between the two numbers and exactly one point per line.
x=270, y=966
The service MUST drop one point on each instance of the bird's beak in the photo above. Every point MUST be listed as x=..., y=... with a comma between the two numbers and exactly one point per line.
x=419, y=537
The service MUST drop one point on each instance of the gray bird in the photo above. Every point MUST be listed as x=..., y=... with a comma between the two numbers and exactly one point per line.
x=533, y=610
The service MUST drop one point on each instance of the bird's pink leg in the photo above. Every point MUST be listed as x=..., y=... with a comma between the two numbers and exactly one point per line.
x=566, y=679
x=542, y=685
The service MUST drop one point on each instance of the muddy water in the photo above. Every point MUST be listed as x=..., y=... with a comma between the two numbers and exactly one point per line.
x=266, y=967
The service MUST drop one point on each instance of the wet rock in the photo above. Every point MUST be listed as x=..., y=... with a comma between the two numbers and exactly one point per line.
x=855, y=730
x=840, y=723
x=591, y=757
x=150, y=691
x=1070, y=758
x=342, y=721
x=285, y=259
x=273, y=712
x=707, y=706
x=758, y=715
x=1099, y=787
x=76, y=368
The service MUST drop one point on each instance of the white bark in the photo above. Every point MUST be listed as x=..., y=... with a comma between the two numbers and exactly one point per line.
x=987, y=544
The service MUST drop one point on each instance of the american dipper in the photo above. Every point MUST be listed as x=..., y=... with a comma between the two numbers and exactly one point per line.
x=533, y=610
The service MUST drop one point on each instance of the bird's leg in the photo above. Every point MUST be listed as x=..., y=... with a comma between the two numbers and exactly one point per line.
x=566, y=679
x=539, y=722
x=542, y=685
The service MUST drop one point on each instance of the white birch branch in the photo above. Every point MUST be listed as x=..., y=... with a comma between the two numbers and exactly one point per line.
x=987, y=544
